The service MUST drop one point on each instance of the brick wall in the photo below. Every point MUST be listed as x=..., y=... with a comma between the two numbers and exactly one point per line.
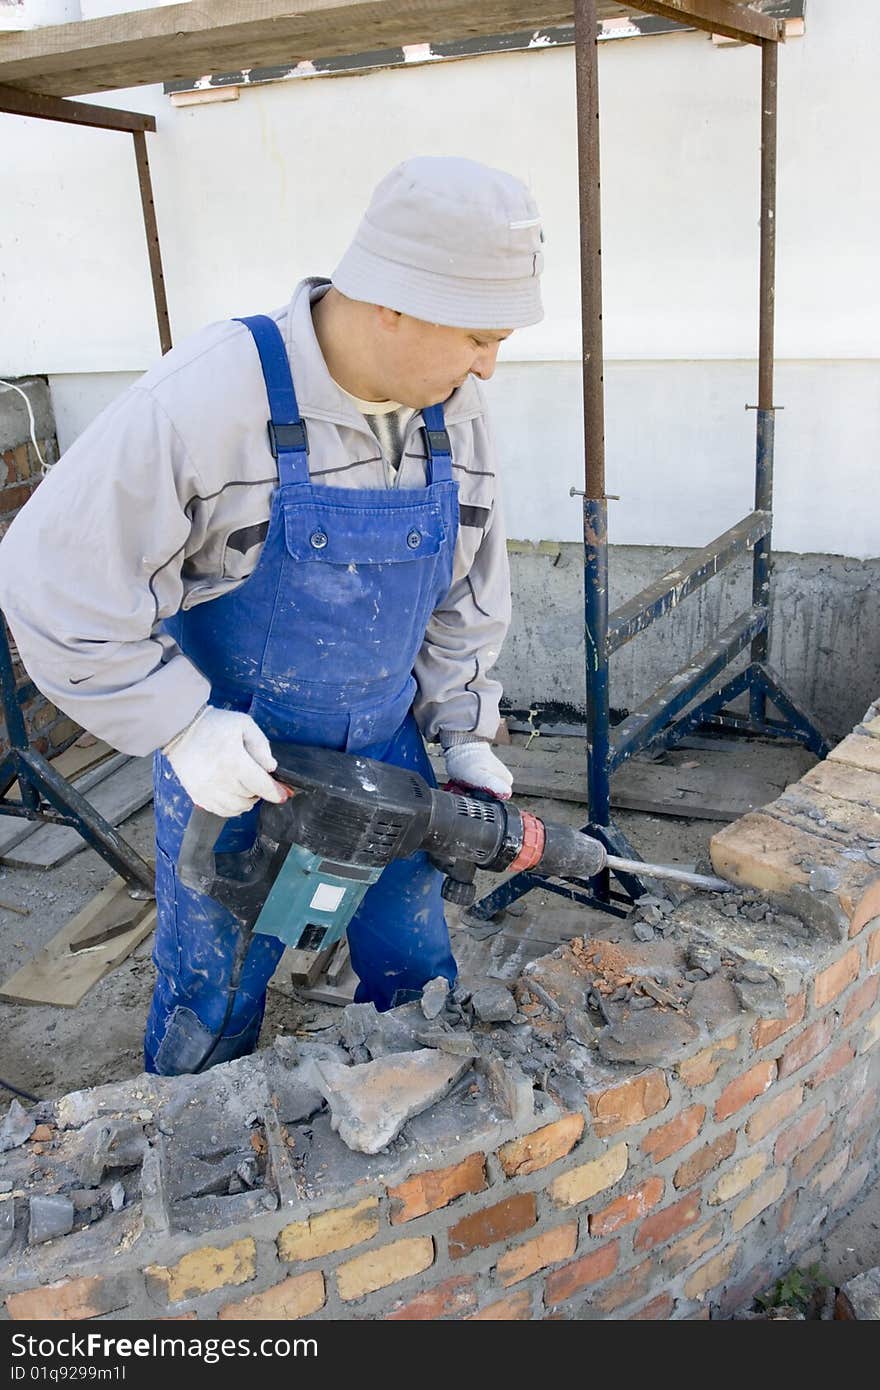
x=631, y=1192
x=20, y=474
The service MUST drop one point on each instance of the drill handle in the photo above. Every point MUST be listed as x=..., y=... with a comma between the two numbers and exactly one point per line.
x=196, y=867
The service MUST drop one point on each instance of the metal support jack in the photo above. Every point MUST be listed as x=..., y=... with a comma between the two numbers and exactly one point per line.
x=47, y=796
x=670, y=713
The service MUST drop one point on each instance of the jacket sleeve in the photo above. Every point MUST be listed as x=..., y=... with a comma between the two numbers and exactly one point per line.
x=463, y=641
x=90, y=567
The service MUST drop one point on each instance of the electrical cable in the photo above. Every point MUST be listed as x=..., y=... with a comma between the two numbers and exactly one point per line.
x=16, y=1091
x=11, y=386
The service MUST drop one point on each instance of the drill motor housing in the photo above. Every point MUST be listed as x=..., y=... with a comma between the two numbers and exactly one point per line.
x=348, y=817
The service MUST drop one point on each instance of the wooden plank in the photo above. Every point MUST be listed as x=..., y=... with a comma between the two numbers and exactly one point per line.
x=700, y=793
x=728, y=17
x=342, y=993
x=14, y=829
x=303, y=967
x=16, y=102
x=116, y=798
x=76, y=760
x=57, y=975
x=108, y=917
x=339, y=962
x=182, y=41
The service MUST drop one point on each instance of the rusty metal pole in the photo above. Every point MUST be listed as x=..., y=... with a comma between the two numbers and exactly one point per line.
x=595, y=504
x=766, y=417
x=152, y=230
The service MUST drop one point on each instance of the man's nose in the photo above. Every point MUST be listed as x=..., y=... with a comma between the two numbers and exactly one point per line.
x=484, y=362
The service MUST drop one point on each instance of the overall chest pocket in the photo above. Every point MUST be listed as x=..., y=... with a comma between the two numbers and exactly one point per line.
x=363, y=535
x=357, y=588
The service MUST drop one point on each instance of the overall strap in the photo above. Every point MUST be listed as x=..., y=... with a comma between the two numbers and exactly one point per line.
x=287, y=431
x=439, y=448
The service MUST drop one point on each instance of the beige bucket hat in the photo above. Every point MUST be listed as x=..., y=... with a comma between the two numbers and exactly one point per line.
x=450, y=241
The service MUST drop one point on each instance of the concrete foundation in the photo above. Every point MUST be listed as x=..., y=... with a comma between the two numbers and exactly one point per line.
x=825, y=628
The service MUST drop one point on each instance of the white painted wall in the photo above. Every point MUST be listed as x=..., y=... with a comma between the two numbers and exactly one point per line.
x=251, y=195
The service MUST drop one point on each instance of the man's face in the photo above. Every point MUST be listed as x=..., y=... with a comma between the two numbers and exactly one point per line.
x=423, y=363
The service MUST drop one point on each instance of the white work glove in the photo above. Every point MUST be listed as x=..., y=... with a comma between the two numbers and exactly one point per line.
x=223, y=760
x=475, y=765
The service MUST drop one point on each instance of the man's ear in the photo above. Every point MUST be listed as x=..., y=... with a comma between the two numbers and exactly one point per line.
x=388, y=319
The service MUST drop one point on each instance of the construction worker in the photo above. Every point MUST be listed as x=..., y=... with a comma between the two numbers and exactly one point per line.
x=289, y=528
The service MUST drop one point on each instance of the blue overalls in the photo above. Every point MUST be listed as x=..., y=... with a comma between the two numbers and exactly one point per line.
x=318, y=645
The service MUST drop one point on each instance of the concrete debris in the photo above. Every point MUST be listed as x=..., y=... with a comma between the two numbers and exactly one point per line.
x=370, y=1104
x=824, y=879
x=7, y=1225
x=117, y=1196
x=50, y=1217
x=18, y=1125
x=434, y=996
x=754, y=974
x=494, y=1004
x=511, y=1087
x=578, y=1024
x=658, y=1037
x=448, y=1040
x=863, y=1293
x=642, y=931
x=701, y=956
x=110, y=1144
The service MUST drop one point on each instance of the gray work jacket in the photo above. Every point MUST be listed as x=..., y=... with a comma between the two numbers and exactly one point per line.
x=162, y=503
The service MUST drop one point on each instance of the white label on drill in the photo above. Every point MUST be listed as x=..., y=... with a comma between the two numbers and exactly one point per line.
x=327, y=898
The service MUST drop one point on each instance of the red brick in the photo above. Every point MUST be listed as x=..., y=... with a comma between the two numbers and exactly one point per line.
x=71, y=1299
x=829, y=1177
x=543, y=1147
x=874, y=949
x=426, y=1192
x=806, y=1046
x=295, y=1297
x=745, y=1088
x=851, y=1185
x=703, y=1066
x=773, y=1112
x=668, y=1138
x=831, y=982
x=833, y=1063
x=692, y=1247
x=546, y=1249
x=589, y=1269
x=448, y=1299
x=769, y=1029
x=742, y=1295
x=658, y=1310
x=863, y=1109
x=22, y=461
x=658, y=1228
x=714, y=1272
x=798, y=1135
x=12, y=498
x=861, y=1000
x=806, y=1161
x=868, y=906
x=8, y=457
x=704, y=1160
x=635, y=1284
x=517, y=1307
x=496, y=1223
x=617, y=1107
x=861, y=1142
x=631, y=1206
x=786, y=1212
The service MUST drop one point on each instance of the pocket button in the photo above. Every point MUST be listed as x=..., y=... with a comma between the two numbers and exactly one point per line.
x=414, y=539
x=318, y=539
